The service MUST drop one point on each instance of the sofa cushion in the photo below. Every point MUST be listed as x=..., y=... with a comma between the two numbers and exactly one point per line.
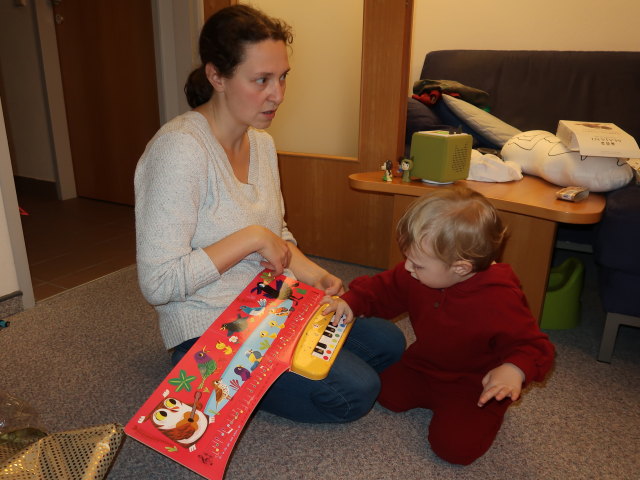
x=420, y=117
x=619, y=232
x=490, y=130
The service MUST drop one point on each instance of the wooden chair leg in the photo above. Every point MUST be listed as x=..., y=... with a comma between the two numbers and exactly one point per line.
x=610, y=332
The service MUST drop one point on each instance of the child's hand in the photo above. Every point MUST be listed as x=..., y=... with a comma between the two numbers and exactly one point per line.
x=340, y=307
x=502, y=382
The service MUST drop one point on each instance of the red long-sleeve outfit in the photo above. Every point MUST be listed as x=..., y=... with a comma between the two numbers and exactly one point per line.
x=462, y=332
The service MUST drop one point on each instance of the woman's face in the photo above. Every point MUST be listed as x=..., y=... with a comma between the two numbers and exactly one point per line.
x=257, y=87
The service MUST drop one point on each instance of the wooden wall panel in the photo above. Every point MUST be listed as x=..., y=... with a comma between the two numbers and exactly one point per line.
x=328, y=218
x=386, y=49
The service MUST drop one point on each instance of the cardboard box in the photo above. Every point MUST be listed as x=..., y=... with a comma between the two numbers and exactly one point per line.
x=597, y=139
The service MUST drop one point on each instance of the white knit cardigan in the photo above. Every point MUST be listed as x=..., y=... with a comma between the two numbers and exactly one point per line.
x=187, y=197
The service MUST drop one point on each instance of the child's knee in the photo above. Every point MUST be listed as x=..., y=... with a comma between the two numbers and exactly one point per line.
x=462, y=446
x=458, y=453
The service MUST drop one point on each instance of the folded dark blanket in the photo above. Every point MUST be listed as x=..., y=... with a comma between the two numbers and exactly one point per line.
x=429, y=91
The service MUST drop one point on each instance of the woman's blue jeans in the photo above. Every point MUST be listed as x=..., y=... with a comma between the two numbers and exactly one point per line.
x=350, y=389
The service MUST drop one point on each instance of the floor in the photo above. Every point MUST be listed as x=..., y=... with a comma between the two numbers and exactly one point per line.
x=72, y=242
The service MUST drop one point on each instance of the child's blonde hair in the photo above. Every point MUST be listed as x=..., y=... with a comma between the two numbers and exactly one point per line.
x=459, y=224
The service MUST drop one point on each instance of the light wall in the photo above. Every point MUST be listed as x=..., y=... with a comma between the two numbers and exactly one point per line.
x=8, y=279
x=176, y=29
x=320, y=114
x=11, y=239
x=524, y=25
x=24, y=96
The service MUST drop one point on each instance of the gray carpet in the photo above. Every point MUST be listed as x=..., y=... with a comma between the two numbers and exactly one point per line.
x=93, y=354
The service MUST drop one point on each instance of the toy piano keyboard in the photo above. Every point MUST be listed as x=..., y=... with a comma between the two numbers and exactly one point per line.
x=319, y=344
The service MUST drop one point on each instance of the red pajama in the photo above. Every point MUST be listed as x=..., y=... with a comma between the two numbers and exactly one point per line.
x=459, y=431
x=462, y=332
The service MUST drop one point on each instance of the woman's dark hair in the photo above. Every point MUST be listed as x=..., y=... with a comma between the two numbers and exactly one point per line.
x=223, y=41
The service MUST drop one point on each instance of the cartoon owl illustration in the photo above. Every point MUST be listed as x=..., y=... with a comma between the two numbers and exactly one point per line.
x=171, y=417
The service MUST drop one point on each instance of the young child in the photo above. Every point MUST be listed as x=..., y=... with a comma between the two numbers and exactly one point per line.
x=477, y=343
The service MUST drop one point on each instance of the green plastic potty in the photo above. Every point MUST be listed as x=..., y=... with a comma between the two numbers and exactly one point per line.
x=562, y=299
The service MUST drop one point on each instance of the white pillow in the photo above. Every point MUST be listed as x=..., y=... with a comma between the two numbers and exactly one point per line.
x=542, y=154
x=482, y=122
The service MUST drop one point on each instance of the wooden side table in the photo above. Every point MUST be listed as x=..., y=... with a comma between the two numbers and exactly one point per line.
x=528, y=207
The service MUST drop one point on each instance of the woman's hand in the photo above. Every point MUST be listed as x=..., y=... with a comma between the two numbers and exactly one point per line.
x=330, y=284
x=311, y=273
x=255, y=238
x=274, y=250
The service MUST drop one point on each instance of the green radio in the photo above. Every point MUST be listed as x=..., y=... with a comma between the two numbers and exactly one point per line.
x=440, y=156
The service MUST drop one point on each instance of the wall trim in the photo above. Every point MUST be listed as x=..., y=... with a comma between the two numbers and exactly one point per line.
x=318, y=156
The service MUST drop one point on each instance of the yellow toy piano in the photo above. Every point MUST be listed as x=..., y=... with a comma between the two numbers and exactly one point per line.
x=319, y=345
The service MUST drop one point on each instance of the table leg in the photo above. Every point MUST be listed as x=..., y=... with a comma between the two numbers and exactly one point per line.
x=529, y=250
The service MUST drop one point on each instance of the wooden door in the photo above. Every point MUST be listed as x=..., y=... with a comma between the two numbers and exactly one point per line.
x=108, y=71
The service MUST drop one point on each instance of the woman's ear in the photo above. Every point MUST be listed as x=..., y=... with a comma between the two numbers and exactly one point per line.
x=215, y=79
x=462, y=267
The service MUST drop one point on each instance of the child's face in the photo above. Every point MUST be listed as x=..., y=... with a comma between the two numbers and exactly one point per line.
x=429, y=270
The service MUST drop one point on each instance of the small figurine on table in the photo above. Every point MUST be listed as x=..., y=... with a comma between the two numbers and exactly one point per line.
x=387, y=166
x=406, y=165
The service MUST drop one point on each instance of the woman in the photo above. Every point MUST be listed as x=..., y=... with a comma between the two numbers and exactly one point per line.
x=210, y=215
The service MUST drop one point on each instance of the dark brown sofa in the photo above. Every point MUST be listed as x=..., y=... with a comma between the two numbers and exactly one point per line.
x=533, y=90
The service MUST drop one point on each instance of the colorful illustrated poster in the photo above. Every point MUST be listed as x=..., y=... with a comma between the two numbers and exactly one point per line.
x=197, y=413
